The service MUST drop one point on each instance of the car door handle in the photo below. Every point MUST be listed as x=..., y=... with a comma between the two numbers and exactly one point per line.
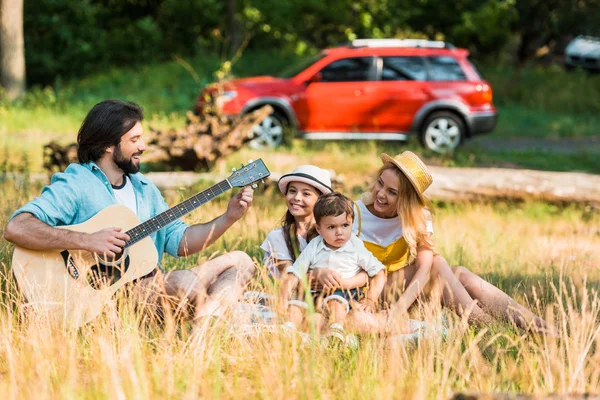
x=357, y=92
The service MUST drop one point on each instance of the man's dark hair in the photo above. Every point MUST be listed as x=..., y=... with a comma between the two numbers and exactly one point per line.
x=332, y=205
x=103, y=127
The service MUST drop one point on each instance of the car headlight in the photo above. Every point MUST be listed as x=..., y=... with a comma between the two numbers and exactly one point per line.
x=228, y=95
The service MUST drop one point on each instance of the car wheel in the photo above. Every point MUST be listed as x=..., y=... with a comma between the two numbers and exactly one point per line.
x=270, y=132
x=442, y=132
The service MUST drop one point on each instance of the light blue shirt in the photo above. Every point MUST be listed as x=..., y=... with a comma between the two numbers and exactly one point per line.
x=79, y=193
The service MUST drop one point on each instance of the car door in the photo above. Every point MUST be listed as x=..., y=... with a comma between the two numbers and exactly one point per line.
x=402, y=90
x=341, y=98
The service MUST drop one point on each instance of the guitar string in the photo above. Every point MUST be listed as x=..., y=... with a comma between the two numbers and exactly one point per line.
x=163, y=219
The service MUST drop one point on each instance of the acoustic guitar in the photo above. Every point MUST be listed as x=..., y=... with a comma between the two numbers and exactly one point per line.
x=72, y=286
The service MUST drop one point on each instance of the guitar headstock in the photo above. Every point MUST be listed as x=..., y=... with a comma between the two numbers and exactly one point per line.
x=248, y=174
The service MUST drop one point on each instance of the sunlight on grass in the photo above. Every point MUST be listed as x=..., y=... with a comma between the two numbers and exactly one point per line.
x=126, y=353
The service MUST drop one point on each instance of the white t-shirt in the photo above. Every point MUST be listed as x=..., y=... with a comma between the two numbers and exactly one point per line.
x=348, y=260
x=125, y=194
x=276, y=250
x=380, y=231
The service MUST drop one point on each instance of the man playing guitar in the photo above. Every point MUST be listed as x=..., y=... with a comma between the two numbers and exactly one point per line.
x=110, y=145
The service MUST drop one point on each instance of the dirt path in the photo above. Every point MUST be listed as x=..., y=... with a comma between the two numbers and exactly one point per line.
x=563, y=146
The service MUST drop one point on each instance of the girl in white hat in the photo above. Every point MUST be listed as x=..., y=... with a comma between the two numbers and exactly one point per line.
x=282, y=246
x=301, y=188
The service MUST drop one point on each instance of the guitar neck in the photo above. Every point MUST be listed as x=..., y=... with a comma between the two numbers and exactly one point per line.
x=163, y=219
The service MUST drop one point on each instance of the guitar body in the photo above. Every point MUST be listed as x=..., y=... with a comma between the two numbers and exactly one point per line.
x=63, y=285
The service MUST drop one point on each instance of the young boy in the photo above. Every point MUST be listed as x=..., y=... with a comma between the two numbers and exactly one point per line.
x=335, y=248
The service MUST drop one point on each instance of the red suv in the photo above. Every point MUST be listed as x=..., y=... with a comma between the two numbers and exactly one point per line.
x=382, y=89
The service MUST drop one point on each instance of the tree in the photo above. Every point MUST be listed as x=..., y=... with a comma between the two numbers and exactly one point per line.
x=12, y=49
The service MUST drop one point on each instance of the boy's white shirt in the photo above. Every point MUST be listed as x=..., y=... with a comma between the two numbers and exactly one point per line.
x=348, y=260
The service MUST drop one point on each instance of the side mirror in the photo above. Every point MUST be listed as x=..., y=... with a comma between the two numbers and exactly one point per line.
x=318, y=77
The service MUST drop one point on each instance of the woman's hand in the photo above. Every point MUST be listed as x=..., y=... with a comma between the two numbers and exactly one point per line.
x=327, y=279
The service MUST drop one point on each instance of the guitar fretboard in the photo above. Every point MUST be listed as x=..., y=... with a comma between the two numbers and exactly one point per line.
x=165, y=218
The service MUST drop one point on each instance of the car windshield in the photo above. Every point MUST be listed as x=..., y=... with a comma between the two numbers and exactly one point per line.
x=300, y=66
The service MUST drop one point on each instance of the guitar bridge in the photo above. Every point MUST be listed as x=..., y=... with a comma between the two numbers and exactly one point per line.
x=70, y=264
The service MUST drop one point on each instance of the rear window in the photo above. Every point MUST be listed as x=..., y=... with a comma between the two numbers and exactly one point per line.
x=445, y=68
x=403, y=69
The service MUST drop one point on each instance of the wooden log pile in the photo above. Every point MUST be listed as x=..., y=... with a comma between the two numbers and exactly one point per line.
x=57, y=157
x=197, y=147
x=203, y=142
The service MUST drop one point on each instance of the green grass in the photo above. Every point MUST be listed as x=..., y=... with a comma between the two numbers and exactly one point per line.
x=517, y=121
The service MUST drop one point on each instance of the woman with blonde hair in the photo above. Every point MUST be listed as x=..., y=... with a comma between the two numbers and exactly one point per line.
x=394, y=221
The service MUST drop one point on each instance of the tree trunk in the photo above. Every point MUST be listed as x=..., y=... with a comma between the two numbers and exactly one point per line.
x=235, y=40
x=12, y=49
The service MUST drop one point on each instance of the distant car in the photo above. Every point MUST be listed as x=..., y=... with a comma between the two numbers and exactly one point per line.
x=383, y=89
x=584, y=52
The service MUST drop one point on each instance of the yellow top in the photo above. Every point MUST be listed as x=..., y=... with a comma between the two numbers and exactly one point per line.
x=394, y=256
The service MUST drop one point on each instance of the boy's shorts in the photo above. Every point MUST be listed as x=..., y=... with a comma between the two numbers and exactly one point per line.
x=349, y=295
x=346, y=296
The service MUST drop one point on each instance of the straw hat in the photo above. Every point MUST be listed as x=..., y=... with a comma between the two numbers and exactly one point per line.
x=413, y=168
x=309, y=174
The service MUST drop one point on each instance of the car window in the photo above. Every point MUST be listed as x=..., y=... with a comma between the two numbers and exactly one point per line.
x=445, y=68
x=301, y=65
x=348, y=70
x=403, y=69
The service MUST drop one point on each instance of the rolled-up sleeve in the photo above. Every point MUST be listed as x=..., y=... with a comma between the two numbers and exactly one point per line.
x=57, y=204
x=301, y=265
x=174, y=233
x=174, y=236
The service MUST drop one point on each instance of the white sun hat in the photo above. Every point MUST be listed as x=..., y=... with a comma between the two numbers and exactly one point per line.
x=309, y=174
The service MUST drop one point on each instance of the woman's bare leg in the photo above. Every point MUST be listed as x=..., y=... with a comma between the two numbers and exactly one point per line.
x=495, y=301
x=454, y=294
x=381, y=323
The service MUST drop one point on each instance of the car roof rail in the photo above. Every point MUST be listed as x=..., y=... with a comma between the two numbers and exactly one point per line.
x=430, y=44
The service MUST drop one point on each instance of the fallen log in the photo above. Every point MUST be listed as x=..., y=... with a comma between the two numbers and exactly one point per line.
x=453, y=184
x=520, y=396
x=481, y=183
x=461, y=184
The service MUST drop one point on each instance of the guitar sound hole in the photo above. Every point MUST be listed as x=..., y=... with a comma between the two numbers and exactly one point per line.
x=102, y=275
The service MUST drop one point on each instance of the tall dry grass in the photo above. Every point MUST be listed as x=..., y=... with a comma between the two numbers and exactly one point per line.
x=545, y=256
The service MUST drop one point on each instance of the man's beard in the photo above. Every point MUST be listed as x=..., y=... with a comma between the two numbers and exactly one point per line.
x=126, y=164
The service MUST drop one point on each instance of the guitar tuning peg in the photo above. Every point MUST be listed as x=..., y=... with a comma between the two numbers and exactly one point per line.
x=254, y=186
x=250, y=161
x=262, y=181
x=242, y=165
x=233, y=169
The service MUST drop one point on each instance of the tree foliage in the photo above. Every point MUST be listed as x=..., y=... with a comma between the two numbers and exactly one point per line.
x=66, y=38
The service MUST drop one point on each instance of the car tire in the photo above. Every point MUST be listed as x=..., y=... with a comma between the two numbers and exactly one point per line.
x=442, y=132
x=270, y=133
